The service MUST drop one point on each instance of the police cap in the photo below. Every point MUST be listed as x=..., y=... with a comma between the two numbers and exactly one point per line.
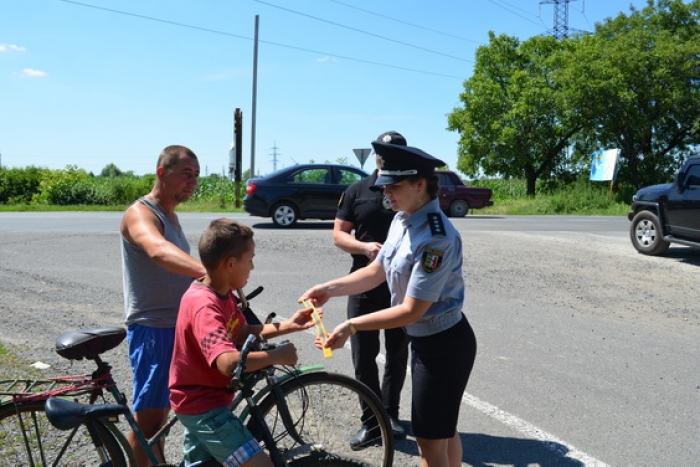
x=391, y=137
x=397, y=163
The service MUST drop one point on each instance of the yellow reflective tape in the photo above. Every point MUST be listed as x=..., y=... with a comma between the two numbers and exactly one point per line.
x=320, y=328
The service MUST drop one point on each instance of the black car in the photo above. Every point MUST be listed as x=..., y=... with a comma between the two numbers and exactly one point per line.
x=668, y=213
x=302, y=191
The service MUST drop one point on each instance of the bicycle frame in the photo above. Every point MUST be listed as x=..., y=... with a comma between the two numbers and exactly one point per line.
x=101, y=379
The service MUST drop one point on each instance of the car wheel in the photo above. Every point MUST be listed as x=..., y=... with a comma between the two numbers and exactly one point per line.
x=459, y=208
x=284, y=215
x=646, y=234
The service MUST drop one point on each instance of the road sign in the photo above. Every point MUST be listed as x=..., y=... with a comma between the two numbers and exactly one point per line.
x=362, y=155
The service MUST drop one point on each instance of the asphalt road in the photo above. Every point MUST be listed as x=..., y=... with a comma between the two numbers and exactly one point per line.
x=589, y=353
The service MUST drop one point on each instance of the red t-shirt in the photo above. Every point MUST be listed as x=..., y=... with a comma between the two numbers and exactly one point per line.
x=207, y=325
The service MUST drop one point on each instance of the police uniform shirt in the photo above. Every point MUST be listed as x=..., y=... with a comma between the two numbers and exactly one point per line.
x=368, y=212
x=422, y=258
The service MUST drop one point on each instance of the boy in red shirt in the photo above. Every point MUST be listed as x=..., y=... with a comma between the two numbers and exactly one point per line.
x=209, y=326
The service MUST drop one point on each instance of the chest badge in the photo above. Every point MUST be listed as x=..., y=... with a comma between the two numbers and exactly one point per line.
x=432, y=259
x=386, y=204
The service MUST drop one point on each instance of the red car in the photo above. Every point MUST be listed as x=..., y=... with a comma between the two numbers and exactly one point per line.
x=456, y=198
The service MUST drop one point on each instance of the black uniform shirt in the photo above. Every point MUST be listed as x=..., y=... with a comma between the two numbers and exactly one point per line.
x=366, y=210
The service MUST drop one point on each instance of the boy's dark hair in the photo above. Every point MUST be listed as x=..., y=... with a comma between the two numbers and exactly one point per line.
x=223, y=239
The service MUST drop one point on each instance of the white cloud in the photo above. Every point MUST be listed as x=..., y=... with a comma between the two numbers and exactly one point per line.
x=326, y=59
x=33, y=73
x=11, y=47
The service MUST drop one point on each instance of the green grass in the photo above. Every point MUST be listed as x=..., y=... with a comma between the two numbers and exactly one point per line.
x=72, y=189
x=189, y=206
x=557, y=204
x=13, y=366
x=551, y=205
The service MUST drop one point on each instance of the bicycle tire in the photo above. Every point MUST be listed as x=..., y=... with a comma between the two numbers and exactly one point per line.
x=42, y=443
x=325, y=460
x=326, y=409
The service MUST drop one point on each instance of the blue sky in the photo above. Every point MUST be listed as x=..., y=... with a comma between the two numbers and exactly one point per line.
x=94, y=82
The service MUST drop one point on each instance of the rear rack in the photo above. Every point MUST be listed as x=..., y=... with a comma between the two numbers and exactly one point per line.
x=15, y=390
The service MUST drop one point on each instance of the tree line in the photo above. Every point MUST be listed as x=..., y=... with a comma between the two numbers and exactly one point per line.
x=537, y=109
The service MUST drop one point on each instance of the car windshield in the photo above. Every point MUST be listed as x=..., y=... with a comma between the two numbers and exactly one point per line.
x=315, y=175
x=348, y=177
x=444, y=180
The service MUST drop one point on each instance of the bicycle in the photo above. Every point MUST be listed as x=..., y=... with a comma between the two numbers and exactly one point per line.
x=303, y=416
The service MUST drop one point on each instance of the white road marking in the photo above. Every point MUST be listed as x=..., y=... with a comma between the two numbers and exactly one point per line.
x=548, y=440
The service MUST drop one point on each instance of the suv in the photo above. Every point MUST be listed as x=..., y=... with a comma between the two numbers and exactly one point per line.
x=456, y=199
x=668, y=213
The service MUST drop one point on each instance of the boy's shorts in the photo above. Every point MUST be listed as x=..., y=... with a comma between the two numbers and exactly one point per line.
x=218, y=434
x=150, y=352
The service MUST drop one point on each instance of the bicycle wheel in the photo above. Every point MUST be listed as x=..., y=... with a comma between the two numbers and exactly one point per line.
x=27, y=438
x=326, y=409
x=325, y=460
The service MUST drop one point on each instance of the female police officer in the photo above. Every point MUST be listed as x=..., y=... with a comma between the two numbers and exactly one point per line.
x=421, y=261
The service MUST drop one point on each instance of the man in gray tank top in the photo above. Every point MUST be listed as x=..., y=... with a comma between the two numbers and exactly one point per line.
x=157, y=269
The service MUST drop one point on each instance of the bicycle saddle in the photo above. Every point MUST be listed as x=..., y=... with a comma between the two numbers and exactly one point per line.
x=89, y=343
x=65, y=415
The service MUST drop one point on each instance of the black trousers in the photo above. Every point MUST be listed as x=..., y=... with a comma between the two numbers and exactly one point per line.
x=366, y=347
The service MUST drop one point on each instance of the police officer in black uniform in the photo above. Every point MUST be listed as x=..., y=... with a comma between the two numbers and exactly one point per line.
x=367, y=213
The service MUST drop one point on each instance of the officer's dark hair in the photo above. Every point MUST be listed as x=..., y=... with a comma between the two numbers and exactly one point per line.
x=224, y=239
x=431, y=187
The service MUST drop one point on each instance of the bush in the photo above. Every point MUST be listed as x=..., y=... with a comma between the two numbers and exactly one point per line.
x=217, y=189
x=18, y=186
x=126, y=190
x=72, y=186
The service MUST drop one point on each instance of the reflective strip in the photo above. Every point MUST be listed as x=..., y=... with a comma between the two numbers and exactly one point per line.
x=398, y=172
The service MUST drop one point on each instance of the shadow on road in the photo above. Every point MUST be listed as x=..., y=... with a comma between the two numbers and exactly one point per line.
x=482, y=450
x=297, y=226
x=684, y=254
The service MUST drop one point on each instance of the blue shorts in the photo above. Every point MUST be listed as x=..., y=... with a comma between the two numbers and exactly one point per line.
x=150, y=352
x=218, y=434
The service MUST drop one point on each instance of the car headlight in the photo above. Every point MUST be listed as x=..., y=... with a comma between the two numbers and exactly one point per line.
x=634, y=198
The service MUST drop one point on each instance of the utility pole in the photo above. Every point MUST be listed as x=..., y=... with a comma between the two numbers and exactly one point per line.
x=255, y=99
x=561, y=18
x=237, y=149
x=274, y=156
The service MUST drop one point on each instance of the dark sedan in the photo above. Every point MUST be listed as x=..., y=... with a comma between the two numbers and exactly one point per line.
x=302, y=191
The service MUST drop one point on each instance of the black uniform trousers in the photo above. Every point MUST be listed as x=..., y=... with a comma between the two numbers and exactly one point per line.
x=366, y=348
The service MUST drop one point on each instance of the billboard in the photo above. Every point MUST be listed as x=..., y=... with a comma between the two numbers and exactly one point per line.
x=604, y=165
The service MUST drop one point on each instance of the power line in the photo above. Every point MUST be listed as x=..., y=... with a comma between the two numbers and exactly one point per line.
x=158, y=20
x=515, y=13
x=379, y=36
x=396, y=20
x=227, y=34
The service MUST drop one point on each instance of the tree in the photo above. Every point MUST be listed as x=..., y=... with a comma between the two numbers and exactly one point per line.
x=516, y=120
x=638, y=81
x=111, y=170
x=634, y=84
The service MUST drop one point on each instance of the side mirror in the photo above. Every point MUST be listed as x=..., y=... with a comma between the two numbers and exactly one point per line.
x=680, y=181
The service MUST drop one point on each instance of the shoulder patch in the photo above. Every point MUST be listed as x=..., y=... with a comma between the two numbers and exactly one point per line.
x=436, y=225
x=432, y=259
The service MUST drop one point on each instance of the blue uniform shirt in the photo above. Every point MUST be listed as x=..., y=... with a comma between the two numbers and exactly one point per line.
x=422, y=258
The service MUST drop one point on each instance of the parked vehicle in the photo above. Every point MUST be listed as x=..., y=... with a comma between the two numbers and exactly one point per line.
x=456, y=198
x=668, y=213
x=302, y=191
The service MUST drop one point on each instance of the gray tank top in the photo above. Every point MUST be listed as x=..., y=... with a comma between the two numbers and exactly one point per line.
x=152, y=294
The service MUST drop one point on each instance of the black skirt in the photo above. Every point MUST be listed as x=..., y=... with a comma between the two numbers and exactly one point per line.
x=440, y=368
